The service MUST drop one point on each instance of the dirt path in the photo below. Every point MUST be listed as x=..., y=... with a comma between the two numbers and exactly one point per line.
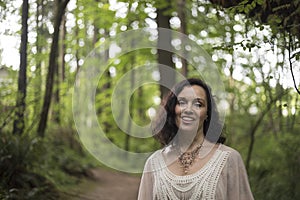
x=108, y=185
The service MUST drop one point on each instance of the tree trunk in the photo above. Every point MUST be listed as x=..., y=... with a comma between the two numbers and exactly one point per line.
x=255, y=127
x=164, y=58
x=56, y=97
x=59, y=73
x=105, y=86
x=63, y=49
x=76, y=34
x=19, y=123
x=96, y=33
x=61, y=6
x=77, y=57
x=183, y=30
x=131, y=108
x=39, y=50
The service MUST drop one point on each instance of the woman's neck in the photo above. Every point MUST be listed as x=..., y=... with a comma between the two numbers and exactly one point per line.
x=186, y=143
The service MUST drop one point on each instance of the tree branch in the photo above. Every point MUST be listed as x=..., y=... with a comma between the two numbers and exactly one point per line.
x=291, y=66
x=256, y=125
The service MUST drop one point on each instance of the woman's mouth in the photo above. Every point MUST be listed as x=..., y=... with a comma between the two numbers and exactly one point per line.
x=186, y=119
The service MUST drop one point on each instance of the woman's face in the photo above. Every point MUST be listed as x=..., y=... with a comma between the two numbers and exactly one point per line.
x=191, y=109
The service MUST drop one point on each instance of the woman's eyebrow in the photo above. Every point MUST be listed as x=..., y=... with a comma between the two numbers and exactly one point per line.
x=197, y=98
x=200, y=99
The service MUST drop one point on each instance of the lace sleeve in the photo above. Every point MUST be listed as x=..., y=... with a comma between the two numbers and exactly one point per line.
x=146, y=185
x=238, y=187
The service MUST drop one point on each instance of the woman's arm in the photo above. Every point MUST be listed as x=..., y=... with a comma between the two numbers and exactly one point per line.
x=238, y=187
x=146, y=185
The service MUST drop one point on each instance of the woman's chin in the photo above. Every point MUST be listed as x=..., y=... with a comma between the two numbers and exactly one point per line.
x=188, y=129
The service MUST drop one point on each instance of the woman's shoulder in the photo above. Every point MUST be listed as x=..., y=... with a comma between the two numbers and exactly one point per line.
x=155, y=155
x=233, y=153
x=229, y=149
x=162, y=155
x=154, y=161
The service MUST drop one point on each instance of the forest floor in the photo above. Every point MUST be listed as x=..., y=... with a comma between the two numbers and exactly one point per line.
x=106, y=184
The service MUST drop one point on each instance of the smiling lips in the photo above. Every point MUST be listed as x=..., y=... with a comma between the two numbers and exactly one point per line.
x=187, y=119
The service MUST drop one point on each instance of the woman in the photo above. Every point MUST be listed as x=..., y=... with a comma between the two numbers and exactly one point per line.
x=194, y=164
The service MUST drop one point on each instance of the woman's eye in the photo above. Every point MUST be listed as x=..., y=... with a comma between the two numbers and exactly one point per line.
x=198, y=104
x=181, y=103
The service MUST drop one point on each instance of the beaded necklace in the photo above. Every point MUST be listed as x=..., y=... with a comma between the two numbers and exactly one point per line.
x=187, y=159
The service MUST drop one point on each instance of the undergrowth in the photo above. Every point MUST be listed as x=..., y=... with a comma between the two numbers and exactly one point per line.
x=40, y=168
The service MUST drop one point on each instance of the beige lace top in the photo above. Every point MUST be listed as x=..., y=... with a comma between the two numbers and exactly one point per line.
x=223, y=177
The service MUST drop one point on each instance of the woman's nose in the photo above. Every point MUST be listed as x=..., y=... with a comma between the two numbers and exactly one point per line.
x=188, y=108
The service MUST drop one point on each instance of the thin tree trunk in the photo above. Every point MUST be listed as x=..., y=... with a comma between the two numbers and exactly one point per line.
x=106, y=86
x=293, y=120
x=255, y=127
x=141, y=107
x=183, y=30
x=61, y=6
x=63, y=49
x=96, y=34
x=76, y=33
x=131, y=106
x=56, y=95
x=19, y=123
x=77, y=50
x=132, y=83
x=39, y=49
x=59, y=73
x=164, y=58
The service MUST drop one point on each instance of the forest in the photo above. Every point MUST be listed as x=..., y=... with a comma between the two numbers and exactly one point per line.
x=81, y=80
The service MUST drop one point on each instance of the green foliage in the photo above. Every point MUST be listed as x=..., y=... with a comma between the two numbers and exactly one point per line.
x=141, y=100
x=7, y=98
x=18, y=154
x=276, y=169
x=32, y=168
x=65, y=154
